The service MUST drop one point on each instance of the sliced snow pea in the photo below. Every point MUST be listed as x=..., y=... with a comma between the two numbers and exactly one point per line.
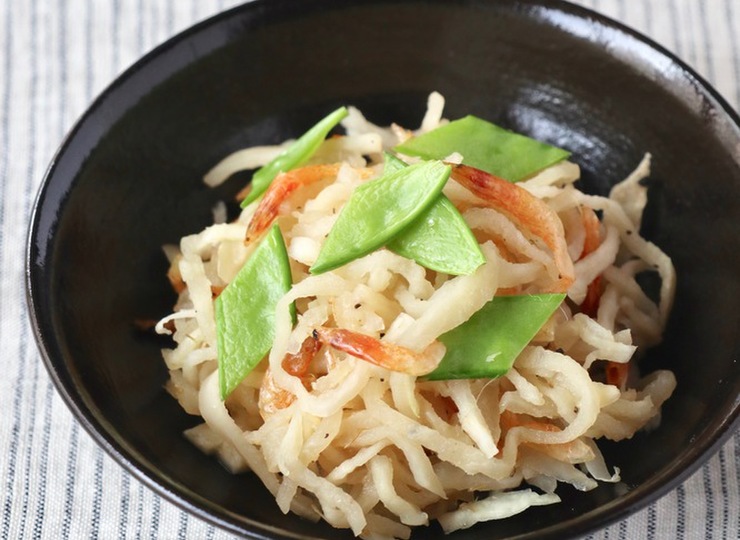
x=245, y=311
x=485, y=146
x=378, y=210
x=486, y=345
x=296, y=154
x=439, y=239
x=392, y=163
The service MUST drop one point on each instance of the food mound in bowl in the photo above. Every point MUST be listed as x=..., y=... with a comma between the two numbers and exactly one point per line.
x=404, y=326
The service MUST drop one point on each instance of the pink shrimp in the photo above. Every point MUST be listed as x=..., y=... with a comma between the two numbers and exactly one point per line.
x=280, y=189
x=297, y=364
x=386, y=355
x=272, y=398
x=532, y=215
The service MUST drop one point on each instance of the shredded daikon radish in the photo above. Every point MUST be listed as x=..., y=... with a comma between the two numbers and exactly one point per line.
x=378, y=451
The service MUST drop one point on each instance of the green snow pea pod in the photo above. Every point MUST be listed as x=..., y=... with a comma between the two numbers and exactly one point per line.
x=439, y=239
x=245, y=311
x=378, y=210
x=486, y=345
x=295, y=155
x=392, y=163
x=485, y=146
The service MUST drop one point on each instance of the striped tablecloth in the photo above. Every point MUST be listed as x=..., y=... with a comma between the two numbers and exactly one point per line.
x=55, y=57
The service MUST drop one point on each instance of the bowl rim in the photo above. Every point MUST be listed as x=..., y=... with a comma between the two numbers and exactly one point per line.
x=184, y=498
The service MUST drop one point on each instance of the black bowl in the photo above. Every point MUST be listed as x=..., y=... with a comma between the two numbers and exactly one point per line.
x=128, y=179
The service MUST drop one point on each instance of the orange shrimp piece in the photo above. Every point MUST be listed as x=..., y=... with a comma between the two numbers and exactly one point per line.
x=272, y=398
x=280, y=189
x=591, y=224
x=297, y=364
x=386, y=355
x=532, y=215
x=592, y=227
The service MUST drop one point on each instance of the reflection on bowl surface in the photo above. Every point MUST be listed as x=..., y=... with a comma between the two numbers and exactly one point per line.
x=128, y=180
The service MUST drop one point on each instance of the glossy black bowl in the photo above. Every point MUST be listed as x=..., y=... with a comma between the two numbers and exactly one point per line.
x=128, y=179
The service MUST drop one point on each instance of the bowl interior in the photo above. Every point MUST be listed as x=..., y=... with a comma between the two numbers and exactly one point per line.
x=128, y=180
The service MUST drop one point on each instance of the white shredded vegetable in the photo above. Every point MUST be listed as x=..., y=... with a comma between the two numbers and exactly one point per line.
x=375, y=449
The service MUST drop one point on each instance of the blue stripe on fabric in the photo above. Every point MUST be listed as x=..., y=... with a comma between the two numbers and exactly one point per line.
x=29, y=446
x=736, y=460
x=44, y=465
x=681, y=511
x=97, y=494
x=709, y=498
x=124, y=505
x=622, y=534
x=182, y=527
x=71, y=478
x=139, y=511
x=651, y=520
x=29, y=440
x=156, y=507
x=725, y=491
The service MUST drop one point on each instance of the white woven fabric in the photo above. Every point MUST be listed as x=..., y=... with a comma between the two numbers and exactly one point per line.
x=55, y=56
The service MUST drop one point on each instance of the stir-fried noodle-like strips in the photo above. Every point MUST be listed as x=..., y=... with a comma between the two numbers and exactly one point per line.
x=338, y=422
